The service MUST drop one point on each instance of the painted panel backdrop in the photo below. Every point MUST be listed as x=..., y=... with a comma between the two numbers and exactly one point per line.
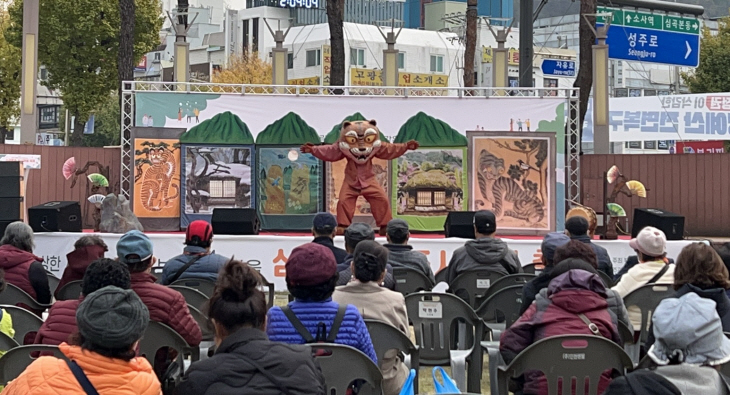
x=157, y=184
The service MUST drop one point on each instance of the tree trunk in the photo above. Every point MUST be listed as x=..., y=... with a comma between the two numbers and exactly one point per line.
x=471, y=42
x=335, y=16
x=78, y=134
x=125, y=59
x=584, y=80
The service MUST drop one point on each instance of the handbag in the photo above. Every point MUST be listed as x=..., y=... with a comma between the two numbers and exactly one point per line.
x=448, y=386
x=407, y=388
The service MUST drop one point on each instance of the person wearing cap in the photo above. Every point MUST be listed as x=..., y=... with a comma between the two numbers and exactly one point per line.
x=324, y=228
x=354, y=234
x=111, y=321
x=23, y=268
x=689, y=349
x=206, y=264
x=486, y=252
x=401, y=254
x=577, y=229
x=311, y=276
x=650, y=244
x=550, y=242
x=87, y=249
x=61, y=321
x=165, y=304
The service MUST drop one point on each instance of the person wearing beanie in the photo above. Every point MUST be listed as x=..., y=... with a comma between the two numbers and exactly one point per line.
x=550, y=243
x=311, y=276
x=354, y=234
x=486, y=252
x=577, y=229
x=650, y=245
x=87, y=249
x=111, y=321
x=401, y=254
x=205, y=263
x=324, y=228
x=61, y=321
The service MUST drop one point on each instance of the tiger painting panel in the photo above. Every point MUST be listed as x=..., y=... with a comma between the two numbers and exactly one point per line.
x=156, y=178
x=513, y=175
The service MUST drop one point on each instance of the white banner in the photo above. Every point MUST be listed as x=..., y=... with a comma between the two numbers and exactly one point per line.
x=273, y=251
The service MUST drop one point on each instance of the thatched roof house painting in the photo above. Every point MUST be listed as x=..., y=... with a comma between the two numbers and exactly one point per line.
x=430, y=192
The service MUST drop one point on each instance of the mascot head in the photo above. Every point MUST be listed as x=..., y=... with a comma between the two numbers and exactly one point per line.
x=359, y=140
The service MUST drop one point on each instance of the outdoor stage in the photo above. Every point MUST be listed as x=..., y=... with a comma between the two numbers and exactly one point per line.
x=271, y=251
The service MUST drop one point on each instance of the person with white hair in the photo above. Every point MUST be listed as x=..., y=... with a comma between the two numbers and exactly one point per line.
x=23, y=268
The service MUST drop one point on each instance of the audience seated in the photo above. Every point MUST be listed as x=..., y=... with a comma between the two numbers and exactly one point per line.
x=354, y=234
x=205, y=263
x=651, y=245
x=401, y=254
x=324, y=228
x=486, y=252
x=689, y=349
x=378, y=303
x=61, y=321
x=237, y=310
x=311, y=275
x=532, y=287
x=577, y=229
x=22, y=268
x=86, y=250
x=558, y=312
x=111, y=322
x=633, y=260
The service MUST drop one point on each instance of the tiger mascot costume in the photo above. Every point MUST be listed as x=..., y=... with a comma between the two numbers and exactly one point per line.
x=359, y=143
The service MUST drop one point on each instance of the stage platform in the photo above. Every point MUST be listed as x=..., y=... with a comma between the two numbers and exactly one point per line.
x=270, y=251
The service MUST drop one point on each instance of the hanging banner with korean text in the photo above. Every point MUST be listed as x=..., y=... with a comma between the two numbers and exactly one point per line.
x=368, y=77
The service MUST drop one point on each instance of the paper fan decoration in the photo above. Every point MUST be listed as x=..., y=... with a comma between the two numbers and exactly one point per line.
x=98, y=179
x=612, y=174
x=616, y=210
x=69, y=167
x=96, y=199
x=636, y=188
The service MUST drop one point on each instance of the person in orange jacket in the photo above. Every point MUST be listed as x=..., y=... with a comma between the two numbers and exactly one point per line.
x=111, y=321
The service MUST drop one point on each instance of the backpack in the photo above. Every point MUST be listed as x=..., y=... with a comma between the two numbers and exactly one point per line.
x=322, y=336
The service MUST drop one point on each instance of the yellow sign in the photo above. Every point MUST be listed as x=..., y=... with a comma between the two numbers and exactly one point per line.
x=326, y=64
x=367, y=77
x=513, y=56
x=304, y=81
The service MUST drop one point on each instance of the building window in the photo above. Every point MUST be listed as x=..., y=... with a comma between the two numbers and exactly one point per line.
x=255, y=35
x=222, y=188
x=290, y=61
x=437, y=63
x=313, y=57
x=157, y=56
x=245, y=36
x=401, y=60
x=357, y=57
x=44, y=74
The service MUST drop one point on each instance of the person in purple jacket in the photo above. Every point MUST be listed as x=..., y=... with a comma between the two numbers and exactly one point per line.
x=311, y=276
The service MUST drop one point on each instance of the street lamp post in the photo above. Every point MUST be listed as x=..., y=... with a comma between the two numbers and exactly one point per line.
x=28, y=84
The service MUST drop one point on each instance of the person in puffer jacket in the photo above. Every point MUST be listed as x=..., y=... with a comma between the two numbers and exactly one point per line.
x=311, y=276
x=198, y=238
x=570, y=294
x=111, y=321
x=87, y=249
x=23, y=268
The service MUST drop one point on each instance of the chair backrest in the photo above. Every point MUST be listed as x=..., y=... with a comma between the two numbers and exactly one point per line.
x=566, y=357
x=647, y=298
x=53, y=282
x=24, y=321
x=387, y=337
x=434, y=318
x=625, y=333
x=7, y=342
x=202, y=285
x=158, y=335
x=408, y=280
x=270, y=291
x=14, y=296
x=503, y=306
x=607, y=280
x=341, y=365
x=192, y=296
x=533, y=268
x=442, y=275
x=203, y=322
x=157, y=272
x=14, y=362
x=506, y=281
x=471, y=285
x=71, y=290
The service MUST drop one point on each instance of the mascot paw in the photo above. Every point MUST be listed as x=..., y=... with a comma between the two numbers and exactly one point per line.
x=412, y=145
x=306, y=148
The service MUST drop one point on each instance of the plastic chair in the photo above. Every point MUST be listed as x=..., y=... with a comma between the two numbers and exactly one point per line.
x=70, y=291
x=503, y=306
x=442, y=275
x=435, y=317
x=271, y=291
x=159, y=335
x=342, y=365
x=533, y=268
x=607, y=280
x=646, y=298
x=473, y=284
x=202, y=285
x=7, y=342
x=408, y=280
x=627, y=336
x=387, y=337
x=203, y=323
x=24, y=321
x=14, y=362
x=53, y=282
x=15, y=296
x=568, y=356
x=506, y=281
x=192, y=296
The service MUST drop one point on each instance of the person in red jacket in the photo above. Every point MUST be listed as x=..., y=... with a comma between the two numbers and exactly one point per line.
x=166, y=305
x=87, y=249
x=22, y=268
x=61, y=321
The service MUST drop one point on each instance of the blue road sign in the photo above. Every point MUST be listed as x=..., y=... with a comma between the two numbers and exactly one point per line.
x=655, y=46
x=559, y=68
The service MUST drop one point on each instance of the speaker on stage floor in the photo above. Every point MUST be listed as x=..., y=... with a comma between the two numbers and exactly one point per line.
x=460, y=224
x=235, y=221
x=55, y=217
x=671, y=224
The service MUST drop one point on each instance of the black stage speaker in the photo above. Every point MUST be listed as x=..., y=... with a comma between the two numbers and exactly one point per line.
x=460, y=224
x=11, y=201
x=671, y=224
x=235, y=221
x=55, y=217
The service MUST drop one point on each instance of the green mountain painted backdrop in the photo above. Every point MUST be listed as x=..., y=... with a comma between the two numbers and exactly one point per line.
x=224, y=128
x=429, y=132
x=289, y=130
x=334, y=134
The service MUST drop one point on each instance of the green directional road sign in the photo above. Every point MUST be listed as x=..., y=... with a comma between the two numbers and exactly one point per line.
x=642, y=19
x=681, y=25
x=648, y=20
